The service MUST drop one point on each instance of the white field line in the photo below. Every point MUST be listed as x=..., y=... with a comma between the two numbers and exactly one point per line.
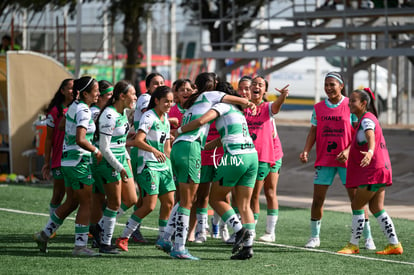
x=264, y=243
x=335, y=253
x=68, y=218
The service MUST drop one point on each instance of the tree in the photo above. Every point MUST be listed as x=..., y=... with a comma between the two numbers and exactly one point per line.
x=134, y=12
x=223, y=19
x=35, y=6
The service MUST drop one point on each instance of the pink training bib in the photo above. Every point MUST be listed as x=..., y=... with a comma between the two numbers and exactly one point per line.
x=379, y=171
x=333, y=133
x=175, y=112
x=261, y=131
x=57, y=137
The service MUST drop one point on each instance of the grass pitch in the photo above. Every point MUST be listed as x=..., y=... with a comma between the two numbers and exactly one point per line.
x=24, y=211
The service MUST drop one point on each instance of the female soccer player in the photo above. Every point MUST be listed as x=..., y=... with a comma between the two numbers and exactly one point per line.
x=369, y=170
x=154, y=174
x=76, y=156
x=152, y=81
x=113, y=174
x=105, y=93
x=186, y=160
x=331, y=130
x=262, y=128
x=54, y=141
x=237, y=169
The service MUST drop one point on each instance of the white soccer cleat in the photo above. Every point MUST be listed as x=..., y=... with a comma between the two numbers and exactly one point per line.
x=232, y=239
x=224, y=233
x=313, y=243
x=268, y=237
x=369, y=244
x=200, y=237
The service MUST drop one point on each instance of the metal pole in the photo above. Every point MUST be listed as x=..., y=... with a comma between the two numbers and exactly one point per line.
x=46, y=42
x=105, y=36
x=389, y=86
x=409, y=92
x=149, y=44
x=65, y=38
x=78, y=38
x=57, y=39
x=12, y=32
x=25, y=31
x=173, y=42
x=113, y=51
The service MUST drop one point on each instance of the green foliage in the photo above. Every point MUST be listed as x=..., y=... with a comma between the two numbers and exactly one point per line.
x=133, y=12
x=36, y=6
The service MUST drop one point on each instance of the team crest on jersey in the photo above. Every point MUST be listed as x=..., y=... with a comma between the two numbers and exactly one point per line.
x=108, y=116
x=147, y=126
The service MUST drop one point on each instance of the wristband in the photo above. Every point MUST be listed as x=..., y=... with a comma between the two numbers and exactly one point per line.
x=371, y=151
x=96, y=151
x=179, y=130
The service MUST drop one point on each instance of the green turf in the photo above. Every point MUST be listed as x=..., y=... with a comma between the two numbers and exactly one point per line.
x=19, y=255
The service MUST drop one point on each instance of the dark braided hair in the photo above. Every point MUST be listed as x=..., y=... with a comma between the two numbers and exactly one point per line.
x=338, y=77
x=205, y=82
x=121, y=87
x=367, y=95
x=83, y=84
x=59, y=98
x=227, y=88
x=150, y=77
x=159, y=92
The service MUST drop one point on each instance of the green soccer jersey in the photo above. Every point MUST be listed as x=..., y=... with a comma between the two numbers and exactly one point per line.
x=78, y=115
x=115, y=125
x=157, y=133
x=233, y=130
x=202, y=105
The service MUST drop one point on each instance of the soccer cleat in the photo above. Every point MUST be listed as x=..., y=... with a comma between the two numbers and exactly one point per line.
x=244, y=254
x=122, y=243
x=96, y=231
x=232, y=239
x=164, y=245
x=183, y=255
x=95, y=244
x=137, y=237
x=214, y=230
x=392, y=249
x=41, y=240
x=268, y=237
x=369, y=244
x=108, y=249
x=241, y=236
x=84, y=252
x=349, y=249
x=224, y=233
x=313, y=243
x=200, y=237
